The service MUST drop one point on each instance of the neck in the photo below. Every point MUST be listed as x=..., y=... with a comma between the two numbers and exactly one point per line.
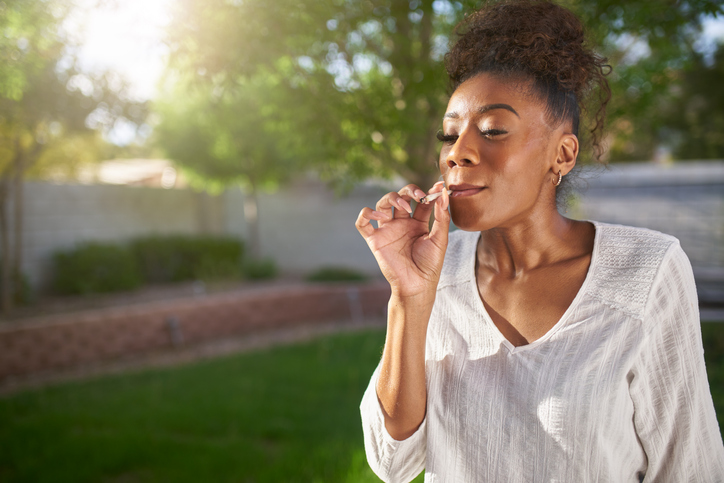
x=535, y=242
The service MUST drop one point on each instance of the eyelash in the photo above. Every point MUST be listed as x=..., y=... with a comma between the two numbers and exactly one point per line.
x=451, y=138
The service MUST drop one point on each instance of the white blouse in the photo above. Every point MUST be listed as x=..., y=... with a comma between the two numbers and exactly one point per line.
x=616, y=391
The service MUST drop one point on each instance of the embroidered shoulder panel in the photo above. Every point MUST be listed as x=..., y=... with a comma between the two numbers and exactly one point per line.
x=627, y=261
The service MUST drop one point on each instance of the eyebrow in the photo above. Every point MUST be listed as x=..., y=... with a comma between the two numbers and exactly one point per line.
x=484, y=109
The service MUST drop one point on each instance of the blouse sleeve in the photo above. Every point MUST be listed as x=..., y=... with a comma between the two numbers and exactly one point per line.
x=673, y=409
x=392, y=461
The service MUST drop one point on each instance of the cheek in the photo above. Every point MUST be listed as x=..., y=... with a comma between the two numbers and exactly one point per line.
x=441, y=161
x=526, y=164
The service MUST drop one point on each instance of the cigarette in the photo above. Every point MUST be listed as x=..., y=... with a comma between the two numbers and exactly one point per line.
x=433, y=197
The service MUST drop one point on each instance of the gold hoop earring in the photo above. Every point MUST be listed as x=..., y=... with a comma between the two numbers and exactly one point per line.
x=560, y=177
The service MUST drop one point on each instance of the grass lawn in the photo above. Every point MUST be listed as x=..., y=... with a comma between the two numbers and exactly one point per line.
x=281, y=415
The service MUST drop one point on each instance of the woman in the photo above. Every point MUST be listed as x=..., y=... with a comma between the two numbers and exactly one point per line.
x=527, y=346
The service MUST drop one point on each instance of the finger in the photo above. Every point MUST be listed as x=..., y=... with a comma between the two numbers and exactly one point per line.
x=393, y=200
x=436, y=188
x=379, y=216
x=424, y=210
x=364, y=219
x=384, y=205
x=403, y=208
x=411, y=191
x=441, y=225
x=408, y=193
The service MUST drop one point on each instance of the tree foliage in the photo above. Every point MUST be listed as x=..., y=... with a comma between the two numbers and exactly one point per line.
x=224, y=134
x=694, y=119
x=366, y=77
x=29, y=28
x=649, y=44
x=47, y=107
x=44, y=96
x=369, y=75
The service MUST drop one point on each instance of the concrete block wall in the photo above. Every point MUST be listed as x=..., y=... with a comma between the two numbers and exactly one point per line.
x=60, y=216
x=304, y=226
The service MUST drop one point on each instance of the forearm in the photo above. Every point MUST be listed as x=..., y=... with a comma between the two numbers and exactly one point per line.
x=401, y=387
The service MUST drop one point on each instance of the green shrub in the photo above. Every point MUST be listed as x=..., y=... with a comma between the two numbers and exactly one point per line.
x=712, y=335
x=23, y=293
x=95, y=268
x=260, y=269
x=179, y=257
x=337, y=274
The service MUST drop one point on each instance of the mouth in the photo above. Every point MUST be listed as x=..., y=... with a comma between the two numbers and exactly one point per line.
x=461, y=190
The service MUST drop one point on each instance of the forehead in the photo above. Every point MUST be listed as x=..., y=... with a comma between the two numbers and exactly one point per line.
x=473, y=95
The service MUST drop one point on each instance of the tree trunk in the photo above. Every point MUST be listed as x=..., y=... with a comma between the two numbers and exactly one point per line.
x=413, y=65
x=251, y=214
x=6, y=301
x=17, y=261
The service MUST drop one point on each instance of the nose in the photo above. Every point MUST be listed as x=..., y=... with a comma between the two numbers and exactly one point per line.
x=465, y=151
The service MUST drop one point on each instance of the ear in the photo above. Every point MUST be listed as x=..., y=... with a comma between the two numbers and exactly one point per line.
x=567, y=154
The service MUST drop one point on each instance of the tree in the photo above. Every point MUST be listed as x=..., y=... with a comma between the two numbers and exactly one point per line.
x=374, y=67
x=368, y=73
x=45, y=102
x=694, y=119
x=223, y=137
x=649, y=44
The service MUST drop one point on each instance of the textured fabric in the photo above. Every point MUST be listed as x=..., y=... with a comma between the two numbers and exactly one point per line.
x=616, y=391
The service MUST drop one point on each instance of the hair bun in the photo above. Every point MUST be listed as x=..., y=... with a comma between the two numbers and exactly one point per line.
x=539, y=40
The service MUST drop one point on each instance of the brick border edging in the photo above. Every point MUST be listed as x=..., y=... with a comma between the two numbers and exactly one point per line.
x=62, y=342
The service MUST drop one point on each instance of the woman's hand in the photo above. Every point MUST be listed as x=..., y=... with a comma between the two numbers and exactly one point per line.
x=409, y=254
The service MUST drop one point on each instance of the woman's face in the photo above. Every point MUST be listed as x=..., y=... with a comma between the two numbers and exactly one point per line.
x=498, y=154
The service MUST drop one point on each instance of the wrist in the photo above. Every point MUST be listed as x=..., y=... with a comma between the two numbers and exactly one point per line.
x=415, y=292
x=406, y=297
x=416, y=302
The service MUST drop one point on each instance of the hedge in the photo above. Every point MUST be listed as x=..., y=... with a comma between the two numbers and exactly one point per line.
x=175, y=258
x=107, y=267
x=96, y=268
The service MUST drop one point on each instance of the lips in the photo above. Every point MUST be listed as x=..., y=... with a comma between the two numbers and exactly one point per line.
x=464, y=189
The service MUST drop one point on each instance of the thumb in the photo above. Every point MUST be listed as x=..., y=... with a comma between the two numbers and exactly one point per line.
x=441, y=225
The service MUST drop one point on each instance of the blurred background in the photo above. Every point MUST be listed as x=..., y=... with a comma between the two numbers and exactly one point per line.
x=181, y=177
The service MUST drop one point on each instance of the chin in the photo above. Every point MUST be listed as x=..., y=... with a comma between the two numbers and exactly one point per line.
x=467, y=221
x=471, y=217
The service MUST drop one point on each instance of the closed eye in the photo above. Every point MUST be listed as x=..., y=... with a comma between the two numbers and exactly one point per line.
x=446, y=138
x=493, y=132
x=451, y=138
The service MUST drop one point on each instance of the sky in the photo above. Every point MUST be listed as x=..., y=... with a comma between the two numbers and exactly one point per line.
x=713, y=32
x=125, y=36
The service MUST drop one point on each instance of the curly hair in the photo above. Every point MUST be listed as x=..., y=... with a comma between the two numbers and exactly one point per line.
x=541, y=42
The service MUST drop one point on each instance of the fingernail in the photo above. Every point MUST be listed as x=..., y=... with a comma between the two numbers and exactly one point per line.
x=379, y=214
x=405, y=205
x=419, y=194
